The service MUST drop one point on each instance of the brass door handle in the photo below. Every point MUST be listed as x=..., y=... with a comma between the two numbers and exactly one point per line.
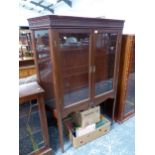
x=92, y=69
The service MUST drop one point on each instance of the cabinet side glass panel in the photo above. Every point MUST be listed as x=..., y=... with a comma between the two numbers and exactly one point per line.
x=104, y=61
x=44, y=64
x=74, y=62
x=130, y=96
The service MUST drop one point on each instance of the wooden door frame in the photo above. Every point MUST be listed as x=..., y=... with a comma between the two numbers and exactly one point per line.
x=83, y=104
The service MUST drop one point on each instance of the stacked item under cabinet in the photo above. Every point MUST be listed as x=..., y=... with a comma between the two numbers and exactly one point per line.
x=86, y=126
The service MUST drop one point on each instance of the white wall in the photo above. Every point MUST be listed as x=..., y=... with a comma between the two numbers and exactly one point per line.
x=24, y=15
x=114, y=9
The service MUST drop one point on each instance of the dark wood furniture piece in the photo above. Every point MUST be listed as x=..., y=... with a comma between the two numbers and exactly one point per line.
x=27, y=71
x=26, y=59
x=26, y=68
x=26, y=62
x=25, y=43
x=28, y=117
x=77, y=61
x=125, y=105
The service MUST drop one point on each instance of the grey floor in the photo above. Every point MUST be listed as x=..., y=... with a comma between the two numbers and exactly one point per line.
x=119, y=141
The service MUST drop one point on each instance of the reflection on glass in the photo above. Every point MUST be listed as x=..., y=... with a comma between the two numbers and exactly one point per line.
x=45, y=71
x=44, y=64
x=104, y=61
x=130, y=96
x=42, y=45
x=74, y=57
x=30, y=133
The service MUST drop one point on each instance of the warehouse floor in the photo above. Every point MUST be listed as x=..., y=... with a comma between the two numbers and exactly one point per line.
x=119, y=141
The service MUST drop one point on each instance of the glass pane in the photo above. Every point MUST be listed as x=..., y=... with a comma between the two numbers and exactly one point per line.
x=45, y=71
x=130, y=96
x=30, y=133
x=74, y=58
x=45, y=64
x=104, y=61
x=42, y=43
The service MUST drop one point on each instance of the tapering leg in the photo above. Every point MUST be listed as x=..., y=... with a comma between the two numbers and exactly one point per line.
x=60, y=129
x=113, y=111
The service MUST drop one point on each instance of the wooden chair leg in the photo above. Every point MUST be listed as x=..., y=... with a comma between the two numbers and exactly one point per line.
x=43, y=119
x=60, y=129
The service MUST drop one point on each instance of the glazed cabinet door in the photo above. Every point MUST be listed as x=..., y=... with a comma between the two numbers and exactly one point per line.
x=105, y=48
x=74, y=53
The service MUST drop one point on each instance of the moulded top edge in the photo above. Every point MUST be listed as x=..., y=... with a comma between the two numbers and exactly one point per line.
x=58, y=17
x=53, y=21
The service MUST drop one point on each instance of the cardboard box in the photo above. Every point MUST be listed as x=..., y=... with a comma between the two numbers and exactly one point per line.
x=87, y=117
x=78, y=141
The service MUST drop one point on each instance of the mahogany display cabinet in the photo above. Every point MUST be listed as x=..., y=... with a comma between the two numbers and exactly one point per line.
x=125, y=105
x=77, y=61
